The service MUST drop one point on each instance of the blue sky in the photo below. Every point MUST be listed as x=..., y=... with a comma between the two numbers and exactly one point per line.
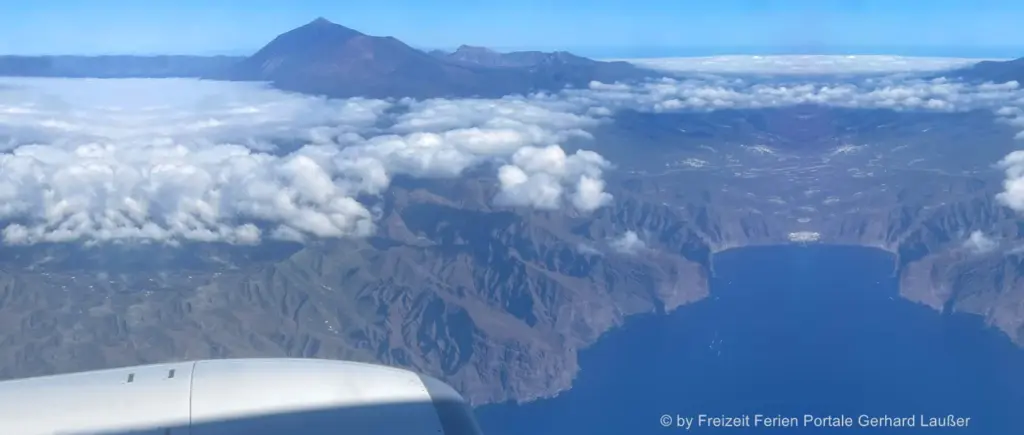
x=593, y=27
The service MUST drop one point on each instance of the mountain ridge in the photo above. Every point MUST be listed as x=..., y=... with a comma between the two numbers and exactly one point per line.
x=314, y=57
x=325, y=58
x=993, y=71
x=498, y=301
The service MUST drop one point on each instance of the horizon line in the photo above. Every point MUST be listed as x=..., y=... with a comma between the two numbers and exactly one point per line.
x=609, y=54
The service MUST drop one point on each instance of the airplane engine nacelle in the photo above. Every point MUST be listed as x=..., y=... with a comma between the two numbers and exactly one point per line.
x=236, y=396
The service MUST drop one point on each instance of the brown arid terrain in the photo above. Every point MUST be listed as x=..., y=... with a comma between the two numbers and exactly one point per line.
x=496, y=302
x=499, y=300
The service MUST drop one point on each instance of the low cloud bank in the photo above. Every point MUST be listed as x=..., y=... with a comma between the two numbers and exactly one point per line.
x=803, y=64
x=178, y=159
x=670, y=95
x=170, y=160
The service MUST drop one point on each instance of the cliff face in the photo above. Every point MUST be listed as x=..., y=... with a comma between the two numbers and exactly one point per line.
x=980, y=275
x=498, y=301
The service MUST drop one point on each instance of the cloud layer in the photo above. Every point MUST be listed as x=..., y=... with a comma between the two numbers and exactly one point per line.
x=715, y=93
x=802, y=64
x=168, y=160
x=177, y=159
x=896, y=91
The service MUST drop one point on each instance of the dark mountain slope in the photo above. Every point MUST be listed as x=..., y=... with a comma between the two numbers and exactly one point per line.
x=329, y=59
x=499, y=301
x=556, y=69
x=326, y=58
x=992, y=71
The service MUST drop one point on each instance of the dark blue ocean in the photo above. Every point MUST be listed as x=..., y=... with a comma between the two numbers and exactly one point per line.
x=788, y=331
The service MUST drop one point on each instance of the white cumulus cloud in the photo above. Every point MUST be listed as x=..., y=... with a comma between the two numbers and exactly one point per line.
x=628, y=243
x=179, y=159
x=542, y=177
x=1013, y=187
x=979, y=243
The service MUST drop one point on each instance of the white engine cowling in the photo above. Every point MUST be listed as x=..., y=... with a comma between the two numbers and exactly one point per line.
x=236, y=396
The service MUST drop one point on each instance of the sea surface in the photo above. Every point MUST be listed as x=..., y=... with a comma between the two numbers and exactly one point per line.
x=789, y=332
